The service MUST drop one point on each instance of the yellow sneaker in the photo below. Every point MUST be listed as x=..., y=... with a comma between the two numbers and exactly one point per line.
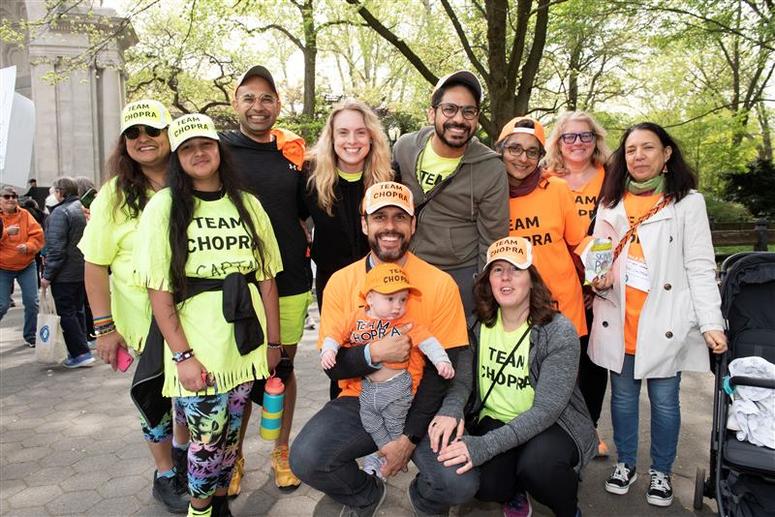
x=235, y=485
x=283, y=477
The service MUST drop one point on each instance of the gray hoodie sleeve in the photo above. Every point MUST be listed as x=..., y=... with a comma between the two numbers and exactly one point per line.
x=553, y=390
x=462, y=384
x=492, y=222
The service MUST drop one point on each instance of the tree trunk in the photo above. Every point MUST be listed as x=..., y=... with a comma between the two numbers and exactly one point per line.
x=573, y=77
x=310, y=57
x=765, y=149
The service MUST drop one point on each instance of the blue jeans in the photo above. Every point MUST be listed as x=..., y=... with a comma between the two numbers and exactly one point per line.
x=324, y=453
x=665, y=416
x=28, y=281
x=69, y=298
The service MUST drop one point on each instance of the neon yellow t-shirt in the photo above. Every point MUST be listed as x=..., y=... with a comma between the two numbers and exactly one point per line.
x=218, y=245
x=513, y=393
x=109, y=240
x=433, y=169
x=350, y=177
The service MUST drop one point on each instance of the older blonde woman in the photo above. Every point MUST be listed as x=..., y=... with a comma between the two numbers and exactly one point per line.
x=576, y=152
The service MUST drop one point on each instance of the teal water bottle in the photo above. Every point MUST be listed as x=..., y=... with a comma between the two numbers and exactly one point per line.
x=272, y=408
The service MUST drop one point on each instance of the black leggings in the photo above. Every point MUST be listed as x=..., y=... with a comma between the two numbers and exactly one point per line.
x=593, y=379
x=542, y=466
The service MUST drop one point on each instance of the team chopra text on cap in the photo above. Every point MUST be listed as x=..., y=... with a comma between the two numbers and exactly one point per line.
x=508, y=248
x=388, y=191
x=187, y=124
x=140, y=110
x=394, y=276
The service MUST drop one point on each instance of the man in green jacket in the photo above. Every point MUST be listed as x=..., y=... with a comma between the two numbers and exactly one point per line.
x=459, y=185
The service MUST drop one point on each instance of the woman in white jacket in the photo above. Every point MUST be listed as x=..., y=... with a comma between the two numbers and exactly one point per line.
x=659, y=306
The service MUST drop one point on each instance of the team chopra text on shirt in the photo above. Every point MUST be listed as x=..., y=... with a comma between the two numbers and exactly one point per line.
x=536, y=239
x=218, y=242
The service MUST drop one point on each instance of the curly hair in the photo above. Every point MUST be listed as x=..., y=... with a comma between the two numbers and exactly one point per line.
x=322, y=156
x=554, y=160
x=680, y=179
x=542, y=306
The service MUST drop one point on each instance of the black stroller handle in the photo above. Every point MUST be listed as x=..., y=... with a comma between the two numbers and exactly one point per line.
x=756, y=382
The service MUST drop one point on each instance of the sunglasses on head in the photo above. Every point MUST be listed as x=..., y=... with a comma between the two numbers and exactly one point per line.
x=10, y=196
x=134, y=132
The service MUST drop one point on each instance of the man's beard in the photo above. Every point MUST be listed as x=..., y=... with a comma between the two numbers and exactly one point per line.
x=392, y=255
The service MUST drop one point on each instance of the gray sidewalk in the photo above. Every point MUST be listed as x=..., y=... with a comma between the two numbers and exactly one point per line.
x=70, y=444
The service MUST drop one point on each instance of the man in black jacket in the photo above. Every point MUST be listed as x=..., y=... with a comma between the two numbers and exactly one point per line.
x=63, y=270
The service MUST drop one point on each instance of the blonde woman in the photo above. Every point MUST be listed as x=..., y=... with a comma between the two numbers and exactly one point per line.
x=576, y=152
x=351, y=154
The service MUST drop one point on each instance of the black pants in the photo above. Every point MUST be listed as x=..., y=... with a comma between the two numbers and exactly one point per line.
x=542, y=466
x=593, y=379
x=69, y=298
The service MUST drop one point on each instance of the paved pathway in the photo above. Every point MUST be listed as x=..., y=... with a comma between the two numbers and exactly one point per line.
x=70, y=444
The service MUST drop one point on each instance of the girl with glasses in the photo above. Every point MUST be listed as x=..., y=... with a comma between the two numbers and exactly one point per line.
x=576, y=152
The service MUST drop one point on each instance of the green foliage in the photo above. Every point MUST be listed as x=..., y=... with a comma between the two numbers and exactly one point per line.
x=721, y=211
x=754, y=188
x=304, y=125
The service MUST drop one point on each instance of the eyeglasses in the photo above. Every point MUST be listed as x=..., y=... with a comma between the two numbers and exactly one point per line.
x=10, y=196
x=450, y=110
x=570, y=138
x=517, y=150
x=265, y=99
x=132, y=133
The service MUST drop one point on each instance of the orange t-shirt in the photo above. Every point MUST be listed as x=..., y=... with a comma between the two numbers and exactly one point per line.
x=635, y=207
x=439, y=310
x=548, y=218
x=362, y=329
x=586, y=197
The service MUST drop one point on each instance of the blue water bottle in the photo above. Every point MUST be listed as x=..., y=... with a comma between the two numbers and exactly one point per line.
x=272, y=410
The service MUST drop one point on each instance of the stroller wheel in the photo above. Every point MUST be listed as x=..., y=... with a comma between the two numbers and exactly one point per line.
x=699, y=488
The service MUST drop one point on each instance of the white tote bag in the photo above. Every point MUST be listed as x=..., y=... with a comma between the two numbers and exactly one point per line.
x=50, y=344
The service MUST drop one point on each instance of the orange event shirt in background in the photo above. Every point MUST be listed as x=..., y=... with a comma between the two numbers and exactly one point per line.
x=635, y=207
x=439, y=309
x=586, y=197
x=548, y=218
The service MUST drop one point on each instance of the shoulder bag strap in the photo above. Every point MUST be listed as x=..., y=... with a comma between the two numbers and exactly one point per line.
x=511, y=354
x=631, y=231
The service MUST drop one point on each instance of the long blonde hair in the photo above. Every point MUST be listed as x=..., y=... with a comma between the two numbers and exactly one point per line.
x=554, y=161
x=376, y=168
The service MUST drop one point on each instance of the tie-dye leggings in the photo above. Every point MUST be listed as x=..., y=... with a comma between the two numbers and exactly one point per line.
x=163, y=431
x=214, y=423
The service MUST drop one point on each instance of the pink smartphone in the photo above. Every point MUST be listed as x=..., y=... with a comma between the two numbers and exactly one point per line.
x=124, y=360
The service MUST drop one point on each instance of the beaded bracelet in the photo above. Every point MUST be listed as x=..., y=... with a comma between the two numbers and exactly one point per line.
x=274, y=346
x=104, y=331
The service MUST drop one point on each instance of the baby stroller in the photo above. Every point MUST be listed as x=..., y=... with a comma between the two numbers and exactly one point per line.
x=742, y=475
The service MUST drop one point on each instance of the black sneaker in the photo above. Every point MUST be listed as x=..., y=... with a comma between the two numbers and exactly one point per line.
x=371, y=510
x=660, y=491
x=165, y=490
x=621, y=478
x=180, y=460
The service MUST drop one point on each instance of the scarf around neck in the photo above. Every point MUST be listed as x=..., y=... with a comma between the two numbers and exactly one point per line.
x=656, y=185
x=526, y=186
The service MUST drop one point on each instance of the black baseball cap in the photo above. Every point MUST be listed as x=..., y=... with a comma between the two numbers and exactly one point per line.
x=257, y=71
x=461, y=77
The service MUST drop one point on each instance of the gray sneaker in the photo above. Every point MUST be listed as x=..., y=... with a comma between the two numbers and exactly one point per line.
x=368, y=511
